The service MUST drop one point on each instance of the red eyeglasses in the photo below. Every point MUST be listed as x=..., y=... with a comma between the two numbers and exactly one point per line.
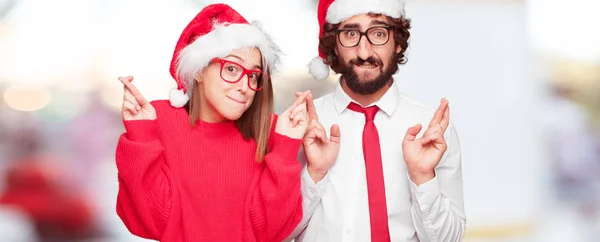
x=233, y=72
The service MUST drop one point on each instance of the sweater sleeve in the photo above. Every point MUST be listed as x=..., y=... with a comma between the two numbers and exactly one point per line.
x=276, y=207
x=144, y=197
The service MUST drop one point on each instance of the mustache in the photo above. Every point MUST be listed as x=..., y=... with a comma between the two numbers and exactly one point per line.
x=371, y=60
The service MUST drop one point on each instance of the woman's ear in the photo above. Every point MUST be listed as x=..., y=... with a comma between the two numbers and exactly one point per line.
x=199, y=76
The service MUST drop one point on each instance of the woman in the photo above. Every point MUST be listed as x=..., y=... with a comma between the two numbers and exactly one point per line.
x=212, y=163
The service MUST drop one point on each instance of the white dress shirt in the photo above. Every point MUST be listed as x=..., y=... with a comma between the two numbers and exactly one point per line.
x=337, y=208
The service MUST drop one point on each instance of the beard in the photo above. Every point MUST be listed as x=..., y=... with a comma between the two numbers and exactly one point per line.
x=364, y=86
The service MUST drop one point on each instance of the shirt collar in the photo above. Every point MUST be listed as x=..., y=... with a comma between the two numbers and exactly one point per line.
x=387, y=103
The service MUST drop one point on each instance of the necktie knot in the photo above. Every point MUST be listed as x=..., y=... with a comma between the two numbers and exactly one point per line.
x=368, y=111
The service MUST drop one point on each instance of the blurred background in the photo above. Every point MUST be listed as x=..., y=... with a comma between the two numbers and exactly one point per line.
x=522, y=77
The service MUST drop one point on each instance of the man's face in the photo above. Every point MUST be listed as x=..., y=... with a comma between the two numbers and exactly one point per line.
x=367, y=66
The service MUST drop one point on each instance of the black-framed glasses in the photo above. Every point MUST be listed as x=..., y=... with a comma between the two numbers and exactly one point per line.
x=378, y=35
x=233, y=72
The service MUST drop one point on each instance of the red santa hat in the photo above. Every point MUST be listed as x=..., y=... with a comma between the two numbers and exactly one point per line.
x=216, y=31
x=336, y=11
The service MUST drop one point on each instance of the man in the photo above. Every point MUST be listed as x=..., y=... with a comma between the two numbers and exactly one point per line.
x=389, y=181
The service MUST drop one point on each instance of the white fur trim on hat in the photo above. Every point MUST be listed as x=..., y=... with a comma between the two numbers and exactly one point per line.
x=340, y=10
x=177, y=98
x=219, y=42
x=318, y=69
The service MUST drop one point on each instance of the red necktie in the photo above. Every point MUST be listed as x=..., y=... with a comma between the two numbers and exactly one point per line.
x=375, y=184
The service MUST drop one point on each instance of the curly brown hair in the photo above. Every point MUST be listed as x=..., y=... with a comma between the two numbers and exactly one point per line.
x=327, y=42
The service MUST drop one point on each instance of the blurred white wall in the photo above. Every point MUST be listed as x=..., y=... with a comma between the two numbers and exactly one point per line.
x=476, y=54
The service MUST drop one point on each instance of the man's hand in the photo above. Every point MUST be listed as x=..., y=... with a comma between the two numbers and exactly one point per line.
x=423, y=154
x=321, y=151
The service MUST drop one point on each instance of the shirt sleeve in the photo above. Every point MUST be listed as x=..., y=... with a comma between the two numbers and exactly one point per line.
x=438, y=205
x=311, y=196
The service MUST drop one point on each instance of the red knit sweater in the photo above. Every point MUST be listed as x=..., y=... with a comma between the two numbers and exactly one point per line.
x=202, y=183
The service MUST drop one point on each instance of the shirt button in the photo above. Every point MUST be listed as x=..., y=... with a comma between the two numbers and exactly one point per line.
x=348, y=231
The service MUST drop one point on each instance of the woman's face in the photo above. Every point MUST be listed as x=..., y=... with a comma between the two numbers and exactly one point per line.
x=226, y=85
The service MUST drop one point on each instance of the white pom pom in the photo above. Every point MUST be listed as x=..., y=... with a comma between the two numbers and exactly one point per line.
x=318, y=69
x=178, y=98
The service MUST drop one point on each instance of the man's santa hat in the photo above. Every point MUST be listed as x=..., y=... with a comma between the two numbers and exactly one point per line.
x=216, y=31
x=336, y=11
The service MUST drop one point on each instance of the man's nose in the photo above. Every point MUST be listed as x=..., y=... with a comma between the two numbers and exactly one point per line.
x=365, y=49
